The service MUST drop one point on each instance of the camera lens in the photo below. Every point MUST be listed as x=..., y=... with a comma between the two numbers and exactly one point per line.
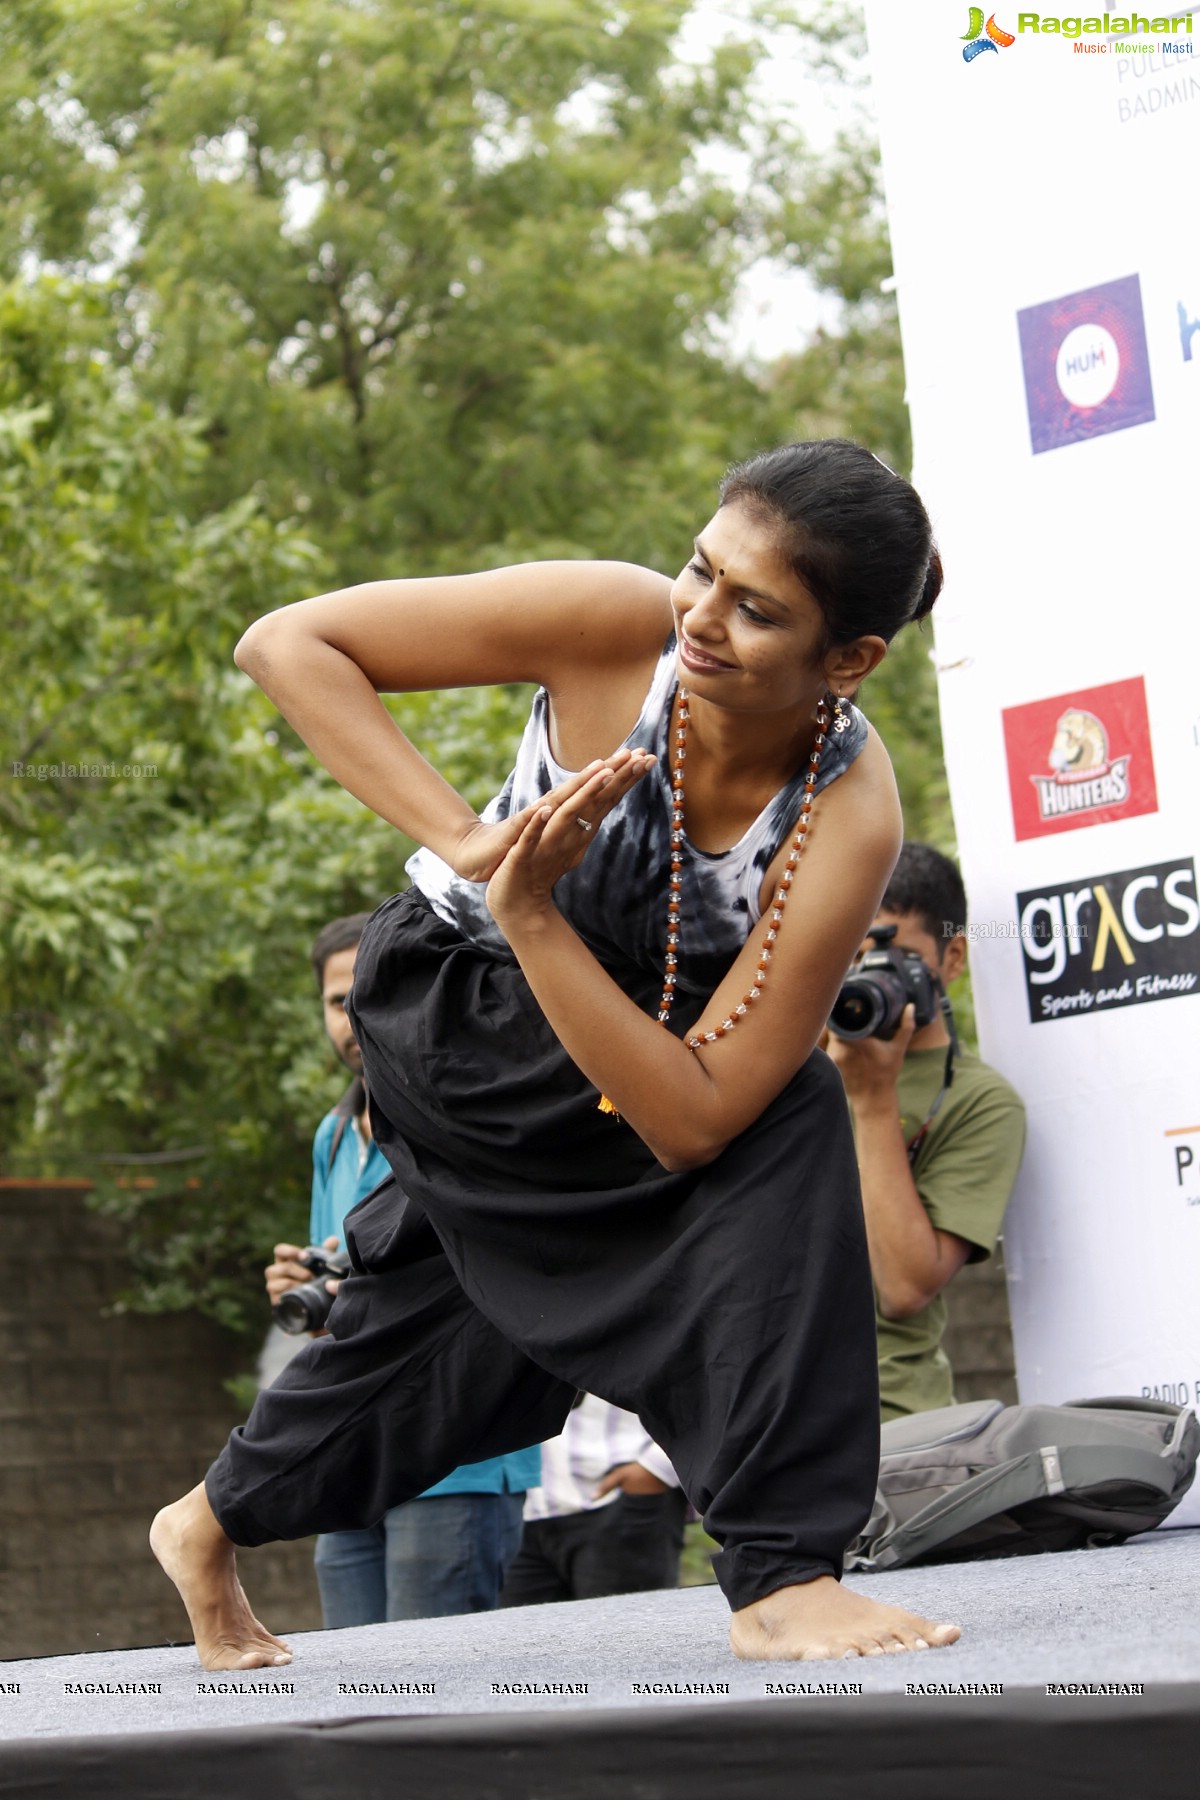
x=859, y=1010
x=303, y=1308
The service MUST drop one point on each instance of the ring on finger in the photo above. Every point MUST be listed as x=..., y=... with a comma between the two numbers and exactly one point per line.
x=584, y=824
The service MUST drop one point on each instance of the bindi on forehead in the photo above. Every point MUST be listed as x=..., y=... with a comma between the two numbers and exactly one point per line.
x=755, y=593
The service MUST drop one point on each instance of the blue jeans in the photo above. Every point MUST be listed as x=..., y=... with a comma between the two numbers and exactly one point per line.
x=424, y=1560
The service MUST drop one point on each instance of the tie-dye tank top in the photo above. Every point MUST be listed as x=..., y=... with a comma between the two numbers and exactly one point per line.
x=617, y=898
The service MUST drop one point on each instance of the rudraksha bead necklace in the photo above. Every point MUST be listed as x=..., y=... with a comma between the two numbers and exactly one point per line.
x=675, y=886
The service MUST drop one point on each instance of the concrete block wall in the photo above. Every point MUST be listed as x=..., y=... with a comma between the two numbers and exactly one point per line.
x=978, y=1337
x=102, y=1420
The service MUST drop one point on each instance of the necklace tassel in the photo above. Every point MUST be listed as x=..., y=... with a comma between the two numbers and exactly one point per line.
x=675, y=884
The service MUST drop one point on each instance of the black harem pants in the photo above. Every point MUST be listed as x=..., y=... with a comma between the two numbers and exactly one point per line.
x=527, y=1246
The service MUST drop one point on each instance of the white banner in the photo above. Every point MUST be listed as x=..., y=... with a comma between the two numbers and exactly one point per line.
x=1040, y=176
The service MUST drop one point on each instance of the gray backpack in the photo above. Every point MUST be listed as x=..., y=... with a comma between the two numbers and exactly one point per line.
x=986, y=1480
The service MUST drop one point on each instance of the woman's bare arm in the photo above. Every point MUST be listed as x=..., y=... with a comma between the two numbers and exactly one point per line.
x=687, y=1106
x=577, y=628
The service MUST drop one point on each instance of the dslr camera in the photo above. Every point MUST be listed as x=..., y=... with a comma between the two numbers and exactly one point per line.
x=879, y=987
x=306, y=1308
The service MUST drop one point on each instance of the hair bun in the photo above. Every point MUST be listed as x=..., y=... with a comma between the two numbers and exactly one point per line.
x=932, y=586
x=853, y=532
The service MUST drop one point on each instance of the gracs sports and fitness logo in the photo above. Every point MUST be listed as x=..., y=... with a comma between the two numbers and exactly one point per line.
x=1113, y=940
x=979, y=37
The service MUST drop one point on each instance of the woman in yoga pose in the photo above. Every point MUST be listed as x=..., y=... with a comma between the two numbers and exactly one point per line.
x=620, y=1165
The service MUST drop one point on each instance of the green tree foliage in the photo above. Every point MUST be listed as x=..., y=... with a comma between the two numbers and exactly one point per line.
x=161, y=847
x=436, y=276
x=301, y=295
x=169, y=848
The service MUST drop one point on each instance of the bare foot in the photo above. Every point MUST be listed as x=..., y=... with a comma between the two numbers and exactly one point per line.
x=199, y=1559
x=820, y=1619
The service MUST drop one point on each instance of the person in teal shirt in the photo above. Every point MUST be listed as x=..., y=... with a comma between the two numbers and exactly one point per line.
x=446, y=1551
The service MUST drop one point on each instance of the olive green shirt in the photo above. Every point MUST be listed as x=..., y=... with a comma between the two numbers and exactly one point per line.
x=964, y=1172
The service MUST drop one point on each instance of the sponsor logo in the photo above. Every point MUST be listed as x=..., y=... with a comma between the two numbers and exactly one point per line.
x=1179, y=1393
x=1154, y=81
x=979, y=37
x=1079, y=759
x=1121, y=34
x=1104, y=24
x=1115, y=940
x=1087, y=370
x=1184, y=1150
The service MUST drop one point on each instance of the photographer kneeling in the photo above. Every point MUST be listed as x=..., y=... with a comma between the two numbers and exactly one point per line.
x=939, y=1134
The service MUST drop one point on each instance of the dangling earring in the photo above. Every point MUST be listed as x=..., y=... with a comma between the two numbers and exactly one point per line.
x=841, y=716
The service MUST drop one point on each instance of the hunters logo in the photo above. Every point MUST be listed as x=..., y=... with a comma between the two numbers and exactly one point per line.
x=975, y=43
x=1115, y=940
x=1080, y=759
x=1087, y=371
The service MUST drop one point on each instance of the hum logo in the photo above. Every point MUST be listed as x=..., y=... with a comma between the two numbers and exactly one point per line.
x=1086, y=367
x=1086, y=361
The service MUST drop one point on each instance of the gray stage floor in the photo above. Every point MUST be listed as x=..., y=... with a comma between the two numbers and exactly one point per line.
x=1124, y=1615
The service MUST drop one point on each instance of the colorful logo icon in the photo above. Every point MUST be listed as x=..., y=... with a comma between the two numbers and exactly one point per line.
x=1087, y=370
x=1079, y=759
x=974, y=40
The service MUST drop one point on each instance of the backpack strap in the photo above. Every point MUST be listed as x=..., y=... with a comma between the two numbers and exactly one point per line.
x=348, y=1107
x=1038, y=1475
